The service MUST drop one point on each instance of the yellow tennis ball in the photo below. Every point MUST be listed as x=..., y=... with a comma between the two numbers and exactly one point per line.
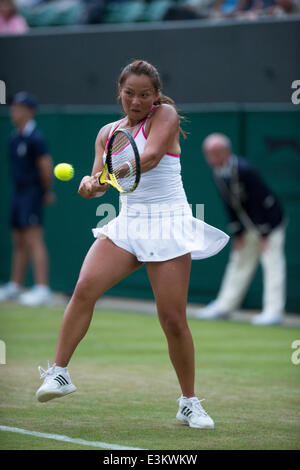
x=64, y=171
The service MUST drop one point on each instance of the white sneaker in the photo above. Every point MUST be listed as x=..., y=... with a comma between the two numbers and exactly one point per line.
x=211, y=312
x=38, y=295
x=265, y=318
x=9, y=291
x=57, y=383
x=192, y=413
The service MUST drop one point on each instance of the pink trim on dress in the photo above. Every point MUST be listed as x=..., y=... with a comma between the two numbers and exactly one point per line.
x=143, y=131
x=127, y=143
x=108, y=138
x=172, y=155
x=146, y=119
x=139, y=129
x=144, y=134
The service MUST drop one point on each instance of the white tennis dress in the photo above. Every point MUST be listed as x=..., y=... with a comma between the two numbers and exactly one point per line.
x=155, y=222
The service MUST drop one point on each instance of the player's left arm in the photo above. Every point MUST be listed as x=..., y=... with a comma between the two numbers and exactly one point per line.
x=164, y=130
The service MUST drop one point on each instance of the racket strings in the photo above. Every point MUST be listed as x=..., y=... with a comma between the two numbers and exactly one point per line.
x=131, y=129
x=123, y=162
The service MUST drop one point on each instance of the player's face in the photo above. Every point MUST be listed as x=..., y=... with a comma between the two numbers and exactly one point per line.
x=138, y=96
x=216, y=155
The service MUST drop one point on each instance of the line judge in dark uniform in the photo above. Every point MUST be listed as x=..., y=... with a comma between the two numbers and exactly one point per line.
x=31, y=171
x=257, y=225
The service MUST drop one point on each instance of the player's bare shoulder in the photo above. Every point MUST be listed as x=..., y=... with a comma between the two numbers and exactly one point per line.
x=165, y=113
x=165, y=110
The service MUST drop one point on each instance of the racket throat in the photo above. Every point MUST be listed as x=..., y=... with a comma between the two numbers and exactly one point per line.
x=114, y=182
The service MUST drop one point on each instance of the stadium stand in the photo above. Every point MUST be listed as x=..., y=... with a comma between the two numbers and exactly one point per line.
x=44, y=13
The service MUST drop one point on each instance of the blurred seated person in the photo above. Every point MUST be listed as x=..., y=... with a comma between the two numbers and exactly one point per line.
x=10, y=21
x=29, y=3
x=225, y=8
x=249, y=9
x=193, y=9
x=94, y=11
x=252, y=9
x=284, y=7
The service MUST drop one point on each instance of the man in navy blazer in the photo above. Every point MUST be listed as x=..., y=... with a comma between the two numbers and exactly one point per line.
x=257, y=224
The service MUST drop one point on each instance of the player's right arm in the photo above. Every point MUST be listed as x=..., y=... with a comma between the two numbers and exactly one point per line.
x=89, y=186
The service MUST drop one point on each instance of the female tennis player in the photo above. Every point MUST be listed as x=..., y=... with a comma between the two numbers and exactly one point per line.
x=155, y=125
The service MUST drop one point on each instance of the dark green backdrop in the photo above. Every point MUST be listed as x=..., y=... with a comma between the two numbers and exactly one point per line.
x=269, y=138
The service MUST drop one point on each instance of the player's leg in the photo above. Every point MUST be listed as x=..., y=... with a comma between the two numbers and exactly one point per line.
x=104, y=266
x=170, y=281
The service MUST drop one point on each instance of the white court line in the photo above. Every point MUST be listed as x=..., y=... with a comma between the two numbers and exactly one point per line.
x=58, y=437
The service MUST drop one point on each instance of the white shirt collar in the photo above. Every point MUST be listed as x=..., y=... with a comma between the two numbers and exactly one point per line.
x=28, y=129
x=225, y=170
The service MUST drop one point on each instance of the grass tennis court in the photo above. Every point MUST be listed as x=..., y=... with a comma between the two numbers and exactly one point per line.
x=127, y=388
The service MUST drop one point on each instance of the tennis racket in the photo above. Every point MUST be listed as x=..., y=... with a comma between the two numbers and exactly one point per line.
x=122, y=168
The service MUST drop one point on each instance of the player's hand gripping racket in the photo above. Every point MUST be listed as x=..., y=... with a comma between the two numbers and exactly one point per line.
x=122, y=168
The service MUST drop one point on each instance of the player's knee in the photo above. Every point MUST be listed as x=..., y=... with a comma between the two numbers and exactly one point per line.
x=83, y=291
x=173, y=324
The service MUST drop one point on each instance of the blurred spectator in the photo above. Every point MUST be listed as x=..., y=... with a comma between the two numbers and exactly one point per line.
x=181, y=12
x=31, y=168
x=225, y=8
x=28, y=3
x=253, y=9
x=10, y=21
x=73, y=12
x=284, y=7
x=94, y=11
x=193, y=9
